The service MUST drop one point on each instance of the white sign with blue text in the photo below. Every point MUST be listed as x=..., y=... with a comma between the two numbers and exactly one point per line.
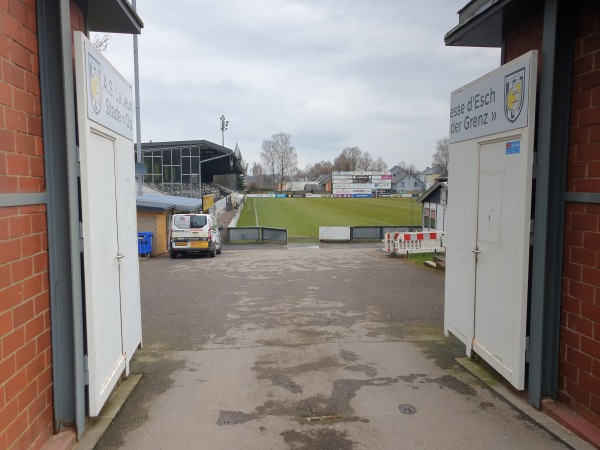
x=494, y=103
x=109, y=95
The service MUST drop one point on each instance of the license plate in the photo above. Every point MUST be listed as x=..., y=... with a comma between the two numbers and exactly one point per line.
x=180, y=244
x=199, y=244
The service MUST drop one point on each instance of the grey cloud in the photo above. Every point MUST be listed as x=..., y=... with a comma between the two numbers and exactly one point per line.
x=332, y=73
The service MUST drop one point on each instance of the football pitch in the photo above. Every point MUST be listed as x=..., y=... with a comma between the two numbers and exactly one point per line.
x=302, y=217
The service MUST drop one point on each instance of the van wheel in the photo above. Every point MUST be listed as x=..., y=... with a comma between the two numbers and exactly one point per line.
x=173, y=255
x=219, y=251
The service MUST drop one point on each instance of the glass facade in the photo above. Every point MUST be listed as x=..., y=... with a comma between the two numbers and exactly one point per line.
x=173, y=170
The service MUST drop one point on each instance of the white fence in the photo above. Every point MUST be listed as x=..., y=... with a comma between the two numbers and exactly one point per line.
x=421, y=242
x=362, y=233
x=334, y=234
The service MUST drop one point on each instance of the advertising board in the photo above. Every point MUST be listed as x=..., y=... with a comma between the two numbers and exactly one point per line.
x=359, y=184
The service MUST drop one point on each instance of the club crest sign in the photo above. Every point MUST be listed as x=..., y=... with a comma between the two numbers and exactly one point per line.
x=500, y=101
x=513, y=94
x=94, y=83
x=109, y=97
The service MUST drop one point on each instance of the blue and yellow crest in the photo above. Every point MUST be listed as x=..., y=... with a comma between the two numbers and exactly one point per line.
x=513, y=94
x=95, y=83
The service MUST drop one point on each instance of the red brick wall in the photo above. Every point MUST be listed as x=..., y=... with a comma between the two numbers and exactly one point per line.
x=579, y=373
x=579, y=367
x=522, y=37
x=21, y=159
x=26, y=413
x=26, y=357
x=579, y=381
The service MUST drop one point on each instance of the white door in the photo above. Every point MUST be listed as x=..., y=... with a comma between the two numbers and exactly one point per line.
x=501, y=259
x=489, y=215
x=106, y=358
x=110, y=258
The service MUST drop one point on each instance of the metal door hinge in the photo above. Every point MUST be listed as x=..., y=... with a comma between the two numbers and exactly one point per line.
x=527, y=349
x=80, y=237
x=86, y=371
x=531, y=226
x=78, y=157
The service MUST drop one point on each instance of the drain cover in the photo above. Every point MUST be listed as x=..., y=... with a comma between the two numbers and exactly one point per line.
x=407, y=409
x=324, y=418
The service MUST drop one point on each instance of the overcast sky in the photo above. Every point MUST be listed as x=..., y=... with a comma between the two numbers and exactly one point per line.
x=332, y=73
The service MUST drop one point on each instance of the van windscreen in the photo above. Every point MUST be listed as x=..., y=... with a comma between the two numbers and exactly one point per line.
x=191, y=221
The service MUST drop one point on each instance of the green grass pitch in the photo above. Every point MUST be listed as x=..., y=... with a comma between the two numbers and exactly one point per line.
x=302, y=217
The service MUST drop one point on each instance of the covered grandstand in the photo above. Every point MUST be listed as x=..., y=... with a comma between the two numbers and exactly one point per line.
x=191, y=168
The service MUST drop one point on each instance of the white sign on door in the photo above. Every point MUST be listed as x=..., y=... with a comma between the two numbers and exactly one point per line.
x=108, y=216
x=109, y=95
x=494, y=103
x=489, y=212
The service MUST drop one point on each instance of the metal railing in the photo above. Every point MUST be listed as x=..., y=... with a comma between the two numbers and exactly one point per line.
x=377, y=233
x=274, y=235
x=257, y=234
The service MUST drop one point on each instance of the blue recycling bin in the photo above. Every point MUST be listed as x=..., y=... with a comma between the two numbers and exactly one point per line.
x=144, y=244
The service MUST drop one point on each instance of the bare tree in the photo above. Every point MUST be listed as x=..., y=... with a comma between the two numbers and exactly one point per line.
x=441, y=157
x=268, y=158
x=380, y=165
x=101, y=42
x=411, y=168
x=279, y=156
x=348, y=160
x=323, y=168
x=366, y=162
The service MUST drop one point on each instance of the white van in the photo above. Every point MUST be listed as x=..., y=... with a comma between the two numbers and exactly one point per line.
x=194, y=233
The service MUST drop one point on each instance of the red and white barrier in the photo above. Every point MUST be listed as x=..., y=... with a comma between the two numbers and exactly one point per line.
x=415, y=242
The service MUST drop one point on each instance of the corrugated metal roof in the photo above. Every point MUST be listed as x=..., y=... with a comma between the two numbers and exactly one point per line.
x=157, y=202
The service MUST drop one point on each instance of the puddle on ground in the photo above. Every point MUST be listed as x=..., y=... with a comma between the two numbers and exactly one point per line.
x=317, y=439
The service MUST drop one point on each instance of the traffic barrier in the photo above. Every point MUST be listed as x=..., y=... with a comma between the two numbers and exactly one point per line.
x=388, y=241
x=420, y=242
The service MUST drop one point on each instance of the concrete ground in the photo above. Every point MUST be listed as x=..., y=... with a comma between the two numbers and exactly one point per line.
x=307, y=347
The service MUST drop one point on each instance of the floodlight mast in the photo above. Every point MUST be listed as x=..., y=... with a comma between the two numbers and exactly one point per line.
x=224, y=125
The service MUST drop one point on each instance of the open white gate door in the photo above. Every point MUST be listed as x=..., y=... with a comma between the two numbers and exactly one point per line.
x=110, y=256
x=489, y=211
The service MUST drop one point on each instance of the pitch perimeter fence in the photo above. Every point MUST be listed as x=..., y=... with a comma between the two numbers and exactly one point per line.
x=258, y=234
x=360, y=233
x=326, y=234
x=377, y=233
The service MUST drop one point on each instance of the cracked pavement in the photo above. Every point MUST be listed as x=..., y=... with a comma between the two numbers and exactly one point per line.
x=305, y=347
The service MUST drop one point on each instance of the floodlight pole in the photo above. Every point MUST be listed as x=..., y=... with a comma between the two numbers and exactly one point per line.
x=224, y=125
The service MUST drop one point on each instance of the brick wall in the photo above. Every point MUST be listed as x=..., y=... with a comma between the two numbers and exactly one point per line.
x=524, y=36
x=26, y=413
x=21, y=159
x=579, y=373
x=26, y=357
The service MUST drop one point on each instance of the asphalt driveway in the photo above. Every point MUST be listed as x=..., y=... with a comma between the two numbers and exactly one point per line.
x=305, y=347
